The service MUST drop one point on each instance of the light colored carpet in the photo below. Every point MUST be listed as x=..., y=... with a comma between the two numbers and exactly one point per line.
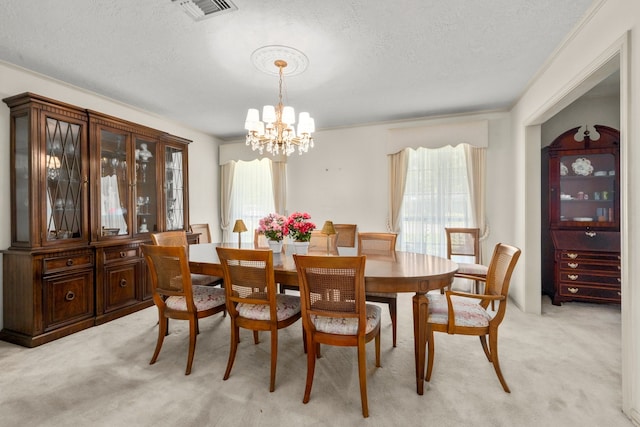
x=563, y=369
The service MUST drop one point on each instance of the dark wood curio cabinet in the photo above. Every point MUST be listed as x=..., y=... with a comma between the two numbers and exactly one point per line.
x=87, y=191
x=581, y=216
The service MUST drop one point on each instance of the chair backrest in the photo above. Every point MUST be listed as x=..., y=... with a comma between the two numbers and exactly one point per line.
x=170, y=238
x=463, y=242
x=205, y=232
x=170, y=276
x=503, y=262
x=332, y=287
x=248, y=278
x=377, y=243
x=260, y=241
x=346, y=235
x=318, y=243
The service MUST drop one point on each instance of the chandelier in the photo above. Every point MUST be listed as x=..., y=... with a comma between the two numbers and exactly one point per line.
x=276, y=133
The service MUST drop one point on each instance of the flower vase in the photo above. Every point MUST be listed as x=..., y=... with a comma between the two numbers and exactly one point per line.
x=301, y=248
x=275, y=246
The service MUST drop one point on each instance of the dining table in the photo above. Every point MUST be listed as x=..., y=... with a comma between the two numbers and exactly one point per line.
x=400, y=272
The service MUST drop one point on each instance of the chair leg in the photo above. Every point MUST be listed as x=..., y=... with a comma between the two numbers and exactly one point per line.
x=493, y=345
x=193, y=334
x=483, y=341
x=235, y=332
x=274, y=359
x=430, y=351
x=378, y=350
x=362, y=374
x=256, y=338
x=393, y=312
x=311, y=367
x=162, y=331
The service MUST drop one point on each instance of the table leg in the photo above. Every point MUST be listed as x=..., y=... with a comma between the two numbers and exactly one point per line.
x=420, y=313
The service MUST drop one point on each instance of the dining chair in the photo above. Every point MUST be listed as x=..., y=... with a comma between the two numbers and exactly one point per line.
x=346, y=235
x=381, y=245
x=179, y=238
x=467, y=313
x=259, y=240
x=334, y=312
x=465, y=242
x=321, y=243
x=176, y=297
x=252, y=300
x=203, y=230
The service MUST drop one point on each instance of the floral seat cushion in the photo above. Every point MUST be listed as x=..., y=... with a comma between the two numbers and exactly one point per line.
x=467, y=311
x=204, y=297
x=286, y=306
x=347, y=326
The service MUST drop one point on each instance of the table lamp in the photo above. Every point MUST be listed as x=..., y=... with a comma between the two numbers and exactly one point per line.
x=328, y=229
x=239, y=227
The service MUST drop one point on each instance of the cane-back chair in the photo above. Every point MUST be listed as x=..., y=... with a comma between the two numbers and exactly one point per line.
x=252, y=300
x=464, y=244
x=176, y=297
x=381, y=245
x=334, y=312
x=471, y=314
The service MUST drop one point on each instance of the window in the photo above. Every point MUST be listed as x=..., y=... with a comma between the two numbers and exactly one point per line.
x=436, y=196
x=252, y=194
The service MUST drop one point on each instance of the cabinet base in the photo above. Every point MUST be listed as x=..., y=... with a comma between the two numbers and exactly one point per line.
x=107, y=317
x=34, y=341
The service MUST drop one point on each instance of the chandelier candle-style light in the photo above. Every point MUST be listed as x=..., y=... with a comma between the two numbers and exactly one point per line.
x=276, y=132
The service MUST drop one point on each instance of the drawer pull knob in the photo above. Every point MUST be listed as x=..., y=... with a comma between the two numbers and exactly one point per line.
x=573, y=290
x=123, y=283
x=619, y=293
x=123, y=254
x=70, y=296
x=572, y=255
x=619, y=280
x=619, y=268
x=590, y=233
x=69, y=262
x=572, y=276
x=573, y=264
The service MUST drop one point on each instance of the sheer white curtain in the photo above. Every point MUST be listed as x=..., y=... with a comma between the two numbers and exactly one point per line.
x=436, y=196
x=251, y=196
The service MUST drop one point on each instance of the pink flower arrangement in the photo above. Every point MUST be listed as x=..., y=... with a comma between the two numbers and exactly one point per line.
x=300, y=227
x=273, y=226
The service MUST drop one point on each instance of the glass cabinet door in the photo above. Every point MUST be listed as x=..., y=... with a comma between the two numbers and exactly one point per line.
x=65, y=186
x=587, y=189
x=174, y=188
x=146, y=186
x=114, y=183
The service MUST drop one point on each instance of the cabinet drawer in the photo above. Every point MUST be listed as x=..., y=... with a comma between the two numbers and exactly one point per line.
x=595, y=265
x=120, y=254
x=63, y=263
x=589, y=277
x=67, y=298
x=585, y=256
x=590, y=292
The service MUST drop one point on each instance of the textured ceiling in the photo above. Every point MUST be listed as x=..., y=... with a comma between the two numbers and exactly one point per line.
x=369, y=60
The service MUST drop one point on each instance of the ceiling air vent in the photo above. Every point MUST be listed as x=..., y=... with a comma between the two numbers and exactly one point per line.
x=203, y=9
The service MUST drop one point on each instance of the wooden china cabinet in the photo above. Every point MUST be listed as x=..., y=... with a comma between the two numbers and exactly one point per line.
x=581, y=216
x=87, y=191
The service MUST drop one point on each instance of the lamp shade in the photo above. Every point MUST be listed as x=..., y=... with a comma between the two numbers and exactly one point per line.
x=328, y=228
x=239, y=226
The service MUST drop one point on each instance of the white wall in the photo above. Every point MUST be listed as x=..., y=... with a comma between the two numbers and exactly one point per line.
x=203, y=152
x=345, y=176
x=611, y=30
